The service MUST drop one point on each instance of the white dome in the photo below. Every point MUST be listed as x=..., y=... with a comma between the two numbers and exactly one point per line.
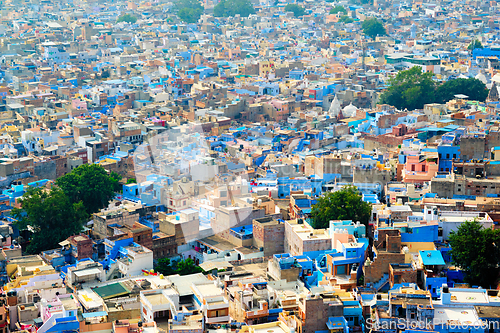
x=481, y=77
x=334, y=110
x=349, y=111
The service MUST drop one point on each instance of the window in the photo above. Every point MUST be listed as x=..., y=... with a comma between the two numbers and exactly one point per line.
x=447, y=156
x=454, y=155
x=413, y=167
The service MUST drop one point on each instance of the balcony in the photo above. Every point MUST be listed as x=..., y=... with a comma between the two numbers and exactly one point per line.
x=216, y=320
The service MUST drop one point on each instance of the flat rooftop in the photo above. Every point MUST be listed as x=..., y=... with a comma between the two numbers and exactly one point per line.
x=209, y=289
x=487, y=311
x=468, y=296
x=459, y=315
x=112, y=290
x=183, y=283
x=157, y=299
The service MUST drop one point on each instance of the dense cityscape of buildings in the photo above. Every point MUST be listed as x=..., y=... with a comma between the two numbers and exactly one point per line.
x=226, y=133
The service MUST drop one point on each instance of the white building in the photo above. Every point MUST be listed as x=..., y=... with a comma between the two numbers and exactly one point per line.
x=159, y=304
x=134, y=259
x=85, y=272
x=211, y=301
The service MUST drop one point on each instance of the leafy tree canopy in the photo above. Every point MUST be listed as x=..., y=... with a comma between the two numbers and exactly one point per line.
x=182, y=267
x=474, y=88
x=188, y=10
x=338, y=9
x=475, y=44
x=412, y=89
x=373, y=28
x=345, y=19
x=345, y=204
x=131, y=181
x=226, y=8
x=297, y=10
x=165, y=266
x=127, y=18
x=117, y=187
x=50, y=215
x=477, y=252
x=187, y=266
x=90, y=184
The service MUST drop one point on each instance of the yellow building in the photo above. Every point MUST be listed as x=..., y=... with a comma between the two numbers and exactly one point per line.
x=21, y=270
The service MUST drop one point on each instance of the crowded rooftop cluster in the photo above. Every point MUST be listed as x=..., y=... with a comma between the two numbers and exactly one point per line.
x=250, y=166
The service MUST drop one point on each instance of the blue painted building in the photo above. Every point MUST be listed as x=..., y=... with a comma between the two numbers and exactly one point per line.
x=446, y=155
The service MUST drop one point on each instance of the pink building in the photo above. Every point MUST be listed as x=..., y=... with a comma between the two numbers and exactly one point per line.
x=419, y=170
x=79, y=104
x=282, y=109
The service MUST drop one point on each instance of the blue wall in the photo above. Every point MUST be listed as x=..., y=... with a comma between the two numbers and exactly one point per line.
x=446, y=155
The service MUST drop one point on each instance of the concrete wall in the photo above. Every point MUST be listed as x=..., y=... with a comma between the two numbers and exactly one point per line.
x=472, y=148
x=271, y=237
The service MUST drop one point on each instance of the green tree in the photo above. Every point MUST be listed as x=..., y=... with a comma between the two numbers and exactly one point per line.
x=189, y=10
x=164, y=266
x=474, y=88
x=345, y=19
x=338, y=9
x=187, y=266
x=476, y=251
x=90, y=184
x=475, y=44
x=410, y=89
x=227, y=8
x=345, y=204
x=373, y=28
x=117, y=186
x=51, y=217
x=297, y=10
x=131, y=181
x=127, y=18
